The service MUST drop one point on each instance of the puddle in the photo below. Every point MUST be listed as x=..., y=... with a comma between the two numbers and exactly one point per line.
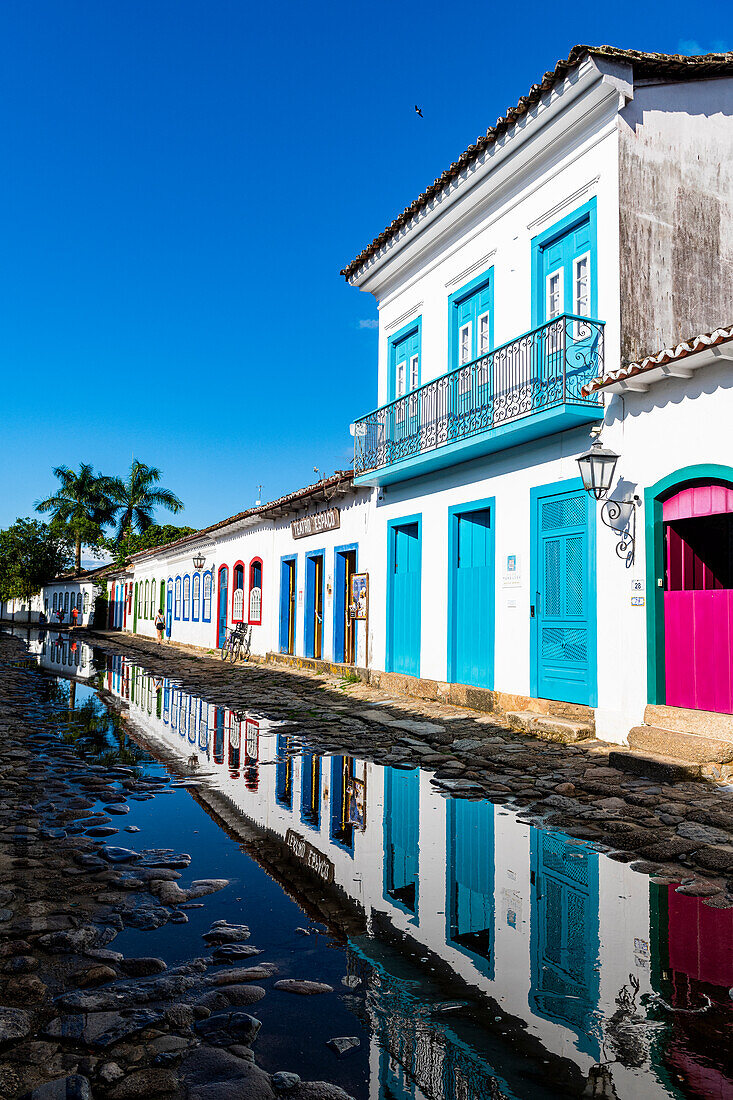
x=472, y=954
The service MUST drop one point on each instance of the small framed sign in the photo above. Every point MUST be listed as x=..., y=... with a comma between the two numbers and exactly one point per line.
x=359, y=596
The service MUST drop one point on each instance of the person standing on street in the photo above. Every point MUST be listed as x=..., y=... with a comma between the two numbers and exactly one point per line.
x=160, y=624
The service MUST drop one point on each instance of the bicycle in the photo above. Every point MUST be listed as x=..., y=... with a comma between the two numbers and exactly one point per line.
x=237, y=643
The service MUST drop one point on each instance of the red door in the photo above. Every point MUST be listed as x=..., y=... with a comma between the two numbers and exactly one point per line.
x=698, y=598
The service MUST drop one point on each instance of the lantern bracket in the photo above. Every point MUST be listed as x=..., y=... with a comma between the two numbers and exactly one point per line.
x=620, y=517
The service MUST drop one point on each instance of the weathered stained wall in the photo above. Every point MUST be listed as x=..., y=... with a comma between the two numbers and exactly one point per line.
x=676, y=213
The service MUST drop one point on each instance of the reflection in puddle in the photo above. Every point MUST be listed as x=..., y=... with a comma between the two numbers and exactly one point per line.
x=485, y=957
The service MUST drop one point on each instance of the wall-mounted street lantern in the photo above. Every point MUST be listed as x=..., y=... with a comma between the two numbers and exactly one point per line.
x=198, y=561
x=597, y=469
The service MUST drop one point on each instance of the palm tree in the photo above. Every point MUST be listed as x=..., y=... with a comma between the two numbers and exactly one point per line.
x=135, y=498
x=80, y=505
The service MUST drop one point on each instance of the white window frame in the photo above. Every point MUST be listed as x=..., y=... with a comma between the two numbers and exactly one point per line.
x=483, y=349
x=467, y=327
x=414, y=371
x=582, y=331
x=400, y=387
x=554, y=339
x=548, y=293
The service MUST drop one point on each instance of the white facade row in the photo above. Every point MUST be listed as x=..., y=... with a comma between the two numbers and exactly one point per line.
x=511, y=298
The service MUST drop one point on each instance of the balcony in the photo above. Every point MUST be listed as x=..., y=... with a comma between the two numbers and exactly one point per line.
x=521, y=391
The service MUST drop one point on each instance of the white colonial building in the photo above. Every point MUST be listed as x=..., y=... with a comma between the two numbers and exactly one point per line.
x=570, y=275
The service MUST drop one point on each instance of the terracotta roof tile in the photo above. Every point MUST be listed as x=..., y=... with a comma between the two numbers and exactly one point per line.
x=672, y=66
x=661, y=358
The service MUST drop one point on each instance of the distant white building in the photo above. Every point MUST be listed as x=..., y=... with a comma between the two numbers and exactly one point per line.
x=571, y=274
x=70, y=599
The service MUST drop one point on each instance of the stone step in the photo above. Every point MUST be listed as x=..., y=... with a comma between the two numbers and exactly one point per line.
x=664, y=768
x=704, y=723
x=565, y=730
x=683, y=746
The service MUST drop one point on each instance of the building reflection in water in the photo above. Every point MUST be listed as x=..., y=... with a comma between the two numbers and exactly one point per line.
x=546, y=968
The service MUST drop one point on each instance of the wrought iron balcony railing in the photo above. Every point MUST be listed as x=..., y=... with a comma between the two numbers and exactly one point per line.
x=541, y=370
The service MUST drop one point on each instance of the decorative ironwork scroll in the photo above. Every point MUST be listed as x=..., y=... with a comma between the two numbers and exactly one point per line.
x=540, y=370
x=620, y=517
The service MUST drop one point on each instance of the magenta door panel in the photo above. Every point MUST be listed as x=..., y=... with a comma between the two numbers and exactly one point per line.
x=698, y=628
x=698, y=500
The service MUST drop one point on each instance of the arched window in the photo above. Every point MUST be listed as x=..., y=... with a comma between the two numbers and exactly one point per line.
x=78, y=601
x=153, y=605
x=177, y=602
x=255, y=592
x=187, y=597
x=146, y=612
x=55, y=600
x=238, y=593
x=86, y=601
x=66, y=601
x=196, y=597
x=206, y=614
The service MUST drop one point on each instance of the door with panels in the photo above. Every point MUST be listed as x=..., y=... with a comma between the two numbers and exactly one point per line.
x=563, y=609
x=221, y=619
x=402, y=837
x=287, y=605
x=566, y=284
x=404, y=378
x=471, y=595
x=404, y=596
x=471, y=383
x=564, y=934
x=169, y=608
x=314, y=603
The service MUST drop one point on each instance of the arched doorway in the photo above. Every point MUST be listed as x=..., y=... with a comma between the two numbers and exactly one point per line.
x=690, y=589
x=221, y=618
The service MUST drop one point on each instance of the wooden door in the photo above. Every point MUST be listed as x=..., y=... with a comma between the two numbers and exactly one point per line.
x=564, y=602
x=473, y=599
x=405, y=597
x=698, y=598
x=221, y=618
x=318, y=607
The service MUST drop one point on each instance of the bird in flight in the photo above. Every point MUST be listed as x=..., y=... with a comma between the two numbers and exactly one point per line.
x=418, y=111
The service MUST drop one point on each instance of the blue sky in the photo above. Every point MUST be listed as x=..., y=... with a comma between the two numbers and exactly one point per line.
x=182, y=182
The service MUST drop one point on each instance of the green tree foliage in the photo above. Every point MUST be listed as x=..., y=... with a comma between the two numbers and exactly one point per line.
x=31, y=554
x=135, y=499
x=154, y=535
x=81, y=506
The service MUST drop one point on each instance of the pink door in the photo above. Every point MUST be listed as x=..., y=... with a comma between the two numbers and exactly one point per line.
x=698, y=598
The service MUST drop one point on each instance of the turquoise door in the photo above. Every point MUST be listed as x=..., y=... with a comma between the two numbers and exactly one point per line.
x=472, y=602
x=472, y=387
x=564, y=934
x=402, y=837
x=566, y=350
x=404, y=377
x=470, y=881
x=169, y=610
x=563, y=609
x=221, y=621
x=404, y=598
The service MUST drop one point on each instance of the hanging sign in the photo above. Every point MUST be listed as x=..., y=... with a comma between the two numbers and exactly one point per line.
x=309, y=856
x=313, y=525
x=359, y=596
x=512, y=573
